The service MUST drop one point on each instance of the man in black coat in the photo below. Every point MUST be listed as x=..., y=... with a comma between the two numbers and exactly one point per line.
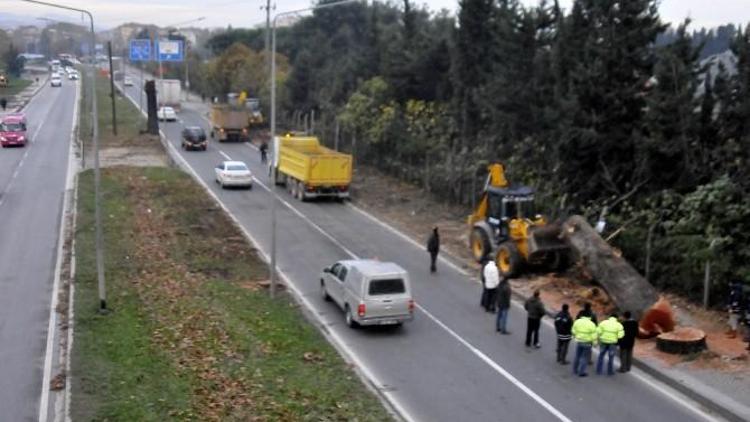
x=504, y=293
x=433, y=247
x=563, y=326
x=535, y=312
x=628, y=341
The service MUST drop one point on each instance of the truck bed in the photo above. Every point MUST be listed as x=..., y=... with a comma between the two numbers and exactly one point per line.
x=304, y=159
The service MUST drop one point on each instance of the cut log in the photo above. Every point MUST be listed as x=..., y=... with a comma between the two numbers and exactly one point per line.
x=627, y=289
x=682, y=341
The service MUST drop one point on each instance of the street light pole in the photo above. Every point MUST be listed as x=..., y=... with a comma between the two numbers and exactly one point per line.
x=273, y=127
x=95, y=141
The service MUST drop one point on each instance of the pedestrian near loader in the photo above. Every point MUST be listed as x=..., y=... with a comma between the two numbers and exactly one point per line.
x=504, y=292
x=609, y=331
x=563, y=327
x=535, y=311
x=584, y=332
x=483, y=299
x=589, y=312
x=491, y=281
x=627, y=343
x=433, y=247
x=735, y=307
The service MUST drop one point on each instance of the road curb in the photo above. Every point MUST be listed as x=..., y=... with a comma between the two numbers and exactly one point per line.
x=23, y=105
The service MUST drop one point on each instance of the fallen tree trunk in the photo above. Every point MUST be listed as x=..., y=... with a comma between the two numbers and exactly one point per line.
x=627, y=289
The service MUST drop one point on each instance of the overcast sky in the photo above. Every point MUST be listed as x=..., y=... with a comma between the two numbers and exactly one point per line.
x=247, y=13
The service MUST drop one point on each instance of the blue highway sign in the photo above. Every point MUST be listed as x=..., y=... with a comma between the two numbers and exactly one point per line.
x=170, y=50
x=140, y=50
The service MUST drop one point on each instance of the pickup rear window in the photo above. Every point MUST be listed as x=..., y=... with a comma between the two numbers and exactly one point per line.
x=386, y=287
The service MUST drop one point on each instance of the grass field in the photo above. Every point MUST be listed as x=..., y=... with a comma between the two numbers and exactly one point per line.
x=15, y=85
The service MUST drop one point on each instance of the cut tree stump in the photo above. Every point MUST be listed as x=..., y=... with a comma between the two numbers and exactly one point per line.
x=625, y=286
x=682, y=341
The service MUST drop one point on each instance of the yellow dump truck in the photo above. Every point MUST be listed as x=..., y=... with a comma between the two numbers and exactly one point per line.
x=310, y=170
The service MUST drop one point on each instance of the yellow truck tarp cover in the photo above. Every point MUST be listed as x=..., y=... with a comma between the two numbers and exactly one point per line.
x=305, y=159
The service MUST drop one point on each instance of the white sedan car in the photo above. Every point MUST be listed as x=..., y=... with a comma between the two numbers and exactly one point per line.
x=166, y=113
x=127, y=81
x=234, y=173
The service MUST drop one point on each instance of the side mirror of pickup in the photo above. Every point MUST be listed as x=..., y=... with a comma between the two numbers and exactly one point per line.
x=327, y=269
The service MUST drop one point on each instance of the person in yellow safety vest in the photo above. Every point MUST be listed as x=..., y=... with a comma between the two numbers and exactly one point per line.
x=610, y=331
x=585, y=333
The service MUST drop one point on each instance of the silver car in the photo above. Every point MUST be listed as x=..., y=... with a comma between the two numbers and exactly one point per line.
x=370, y=292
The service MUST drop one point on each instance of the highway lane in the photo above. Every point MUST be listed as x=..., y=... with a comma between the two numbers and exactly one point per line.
x=32, y=185
x=449, y=364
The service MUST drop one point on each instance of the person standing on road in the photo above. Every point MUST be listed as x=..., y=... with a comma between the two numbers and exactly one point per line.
x=535, y=311
x=491, y=281
x=563, y=326
x=3, y=103
x=433, y=247
x=589, y=312
x=584, y=331
x=734, y=305
x=627, y=343
x=504, y=292
x=610, y=331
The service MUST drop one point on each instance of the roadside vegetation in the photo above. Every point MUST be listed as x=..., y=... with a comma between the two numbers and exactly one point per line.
x=603, y=108
x=15, y=85
x=192, y=333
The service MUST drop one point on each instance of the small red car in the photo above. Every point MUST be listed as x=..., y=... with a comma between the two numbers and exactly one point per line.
x=13, y=131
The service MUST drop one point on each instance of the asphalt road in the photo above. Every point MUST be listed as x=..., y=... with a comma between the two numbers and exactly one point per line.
x=449, y=364
x=32, y=185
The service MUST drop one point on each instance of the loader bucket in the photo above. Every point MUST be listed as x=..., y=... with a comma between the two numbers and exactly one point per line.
x=543, y=239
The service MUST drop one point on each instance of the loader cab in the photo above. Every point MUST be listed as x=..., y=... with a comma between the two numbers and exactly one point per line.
x=506, y=204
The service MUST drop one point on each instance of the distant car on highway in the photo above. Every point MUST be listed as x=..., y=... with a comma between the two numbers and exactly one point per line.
x=73, y=76
x=55, y=80
x=167, y=114
x=20, y=116
x=194, y=137
x=370, y=292
x=12, y=132
x=127, y=81
x=234, y=173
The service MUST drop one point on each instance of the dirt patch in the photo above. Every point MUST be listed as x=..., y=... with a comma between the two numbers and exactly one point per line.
x=414, y=212
x=133, y=157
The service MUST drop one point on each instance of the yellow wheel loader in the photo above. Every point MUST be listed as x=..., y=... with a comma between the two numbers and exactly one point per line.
x=506, y=228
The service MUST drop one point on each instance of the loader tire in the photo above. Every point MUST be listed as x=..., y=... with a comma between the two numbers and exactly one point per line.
x=508, y=259
x=479, y=241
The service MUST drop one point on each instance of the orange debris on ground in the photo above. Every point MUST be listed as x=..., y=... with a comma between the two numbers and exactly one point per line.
x=658, y=319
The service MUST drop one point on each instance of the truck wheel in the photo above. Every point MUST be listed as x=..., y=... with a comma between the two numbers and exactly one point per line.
x=349, y=318
x=480, y=243
x=508, y=259
x=324, y=292
x=301, y=191
x=291, y=186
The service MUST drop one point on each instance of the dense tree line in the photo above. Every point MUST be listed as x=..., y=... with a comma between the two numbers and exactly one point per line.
x=602, y=108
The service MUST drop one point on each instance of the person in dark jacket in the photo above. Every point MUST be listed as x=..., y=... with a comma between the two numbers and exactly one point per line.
x=504, y=292
x=433, y=247
x=628, y=342
x=563, y=325
x=535, y=311
x=735, y=307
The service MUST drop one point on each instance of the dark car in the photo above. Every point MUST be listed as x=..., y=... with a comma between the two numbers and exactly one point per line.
x=194, y=137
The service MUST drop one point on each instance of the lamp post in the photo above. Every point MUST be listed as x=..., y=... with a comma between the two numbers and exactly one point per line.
x=273, y=126
x=95, y=141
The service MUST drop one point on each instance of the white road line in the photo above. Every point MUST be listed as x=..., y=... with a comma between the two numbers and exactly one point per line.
x=224, y=154
x=47, y=374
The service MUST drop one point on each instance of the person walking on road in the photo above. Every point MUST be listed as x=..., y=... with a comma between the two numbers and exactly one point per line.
x=563, y=327
x=627, y=342
x=491, y=281
x=735, y=307
x=504, y=292
x=610, y=331
x=535, y=311
x=584, y=331
x=433, y=247
x=263, y=152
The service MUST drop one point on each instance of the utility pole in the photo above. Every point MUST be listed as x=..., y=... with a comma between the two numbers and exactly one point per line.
x=112, y=88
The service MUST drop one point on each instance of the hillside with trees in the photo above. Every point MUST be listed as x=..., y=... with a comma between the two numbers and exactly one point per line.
x=597, y=107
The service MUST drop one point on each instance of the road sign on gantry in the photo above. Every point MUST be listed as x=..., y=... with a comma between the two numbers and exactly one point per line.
x=170, y=50
x=140, y=50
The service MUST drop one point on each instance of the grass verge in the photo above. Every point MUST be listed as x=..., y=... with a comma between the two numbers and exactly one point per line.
x=15, y=85
x=193, y=335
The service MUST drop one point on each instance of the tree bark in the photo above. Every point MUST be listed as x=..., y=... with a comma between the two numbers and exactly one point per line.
x=627, y=288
